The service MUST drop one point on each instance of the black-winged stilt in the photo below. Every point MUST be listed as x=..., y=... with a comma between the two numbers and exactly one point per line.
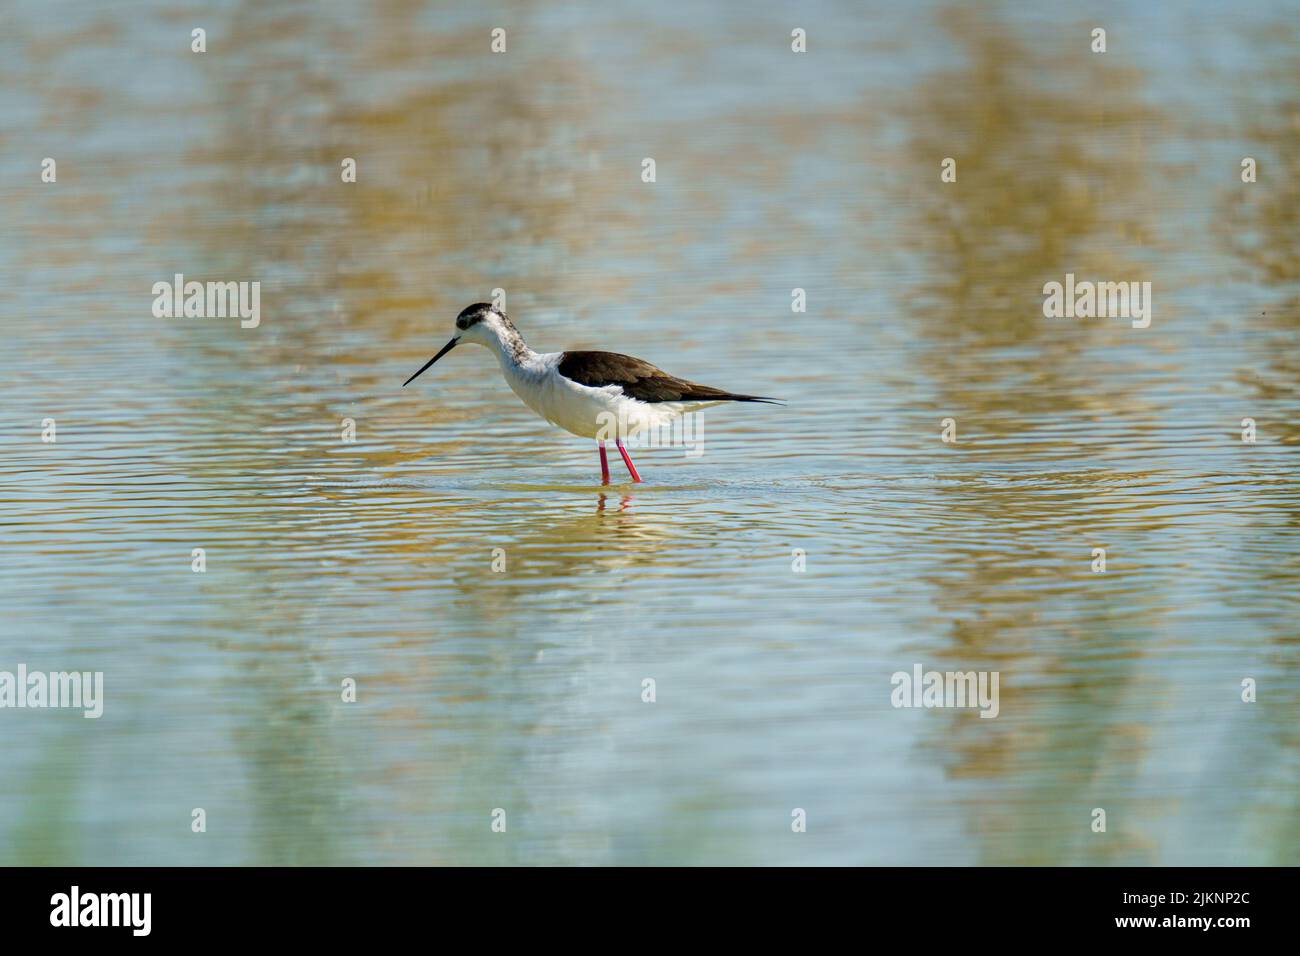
x=591, y=394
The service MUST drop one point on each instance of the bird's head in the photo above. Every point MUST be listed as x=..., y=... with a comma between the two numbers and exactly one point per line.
x=480, y=324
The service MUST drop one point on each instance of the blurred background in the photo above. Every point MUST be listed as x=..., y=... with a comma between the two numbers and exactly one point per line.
x=521, y=690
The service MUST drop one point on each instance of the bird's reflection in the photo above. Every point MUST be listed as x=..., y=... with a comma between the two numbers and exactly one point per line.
x=624, y=503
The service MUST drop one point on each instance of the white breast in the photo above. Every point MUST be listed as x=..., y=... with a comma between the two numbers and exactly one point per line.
x=590, y=412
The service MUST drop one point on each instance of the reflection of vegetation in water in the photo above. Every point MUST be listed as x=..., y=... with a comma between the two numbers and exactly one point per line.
x=48, y=832
x=690, y=831
x=303, y=808
x=1073, y=734
x=433, y=179
x=1257, y=222
x=433, y=176
x=350, y=269
x=1050, y=154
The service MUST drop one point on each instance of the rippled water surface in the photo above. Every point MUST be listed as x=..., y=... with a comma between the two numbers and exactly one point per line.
x=521, y=689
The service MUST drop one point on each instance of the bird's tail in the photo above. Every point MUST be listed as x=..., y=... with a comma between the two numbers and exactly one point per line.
x=753, y=398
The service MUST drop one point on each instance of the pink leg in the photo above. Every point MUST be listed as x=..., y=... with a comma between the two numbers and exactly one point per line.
x=604, y=464
x=627, y=459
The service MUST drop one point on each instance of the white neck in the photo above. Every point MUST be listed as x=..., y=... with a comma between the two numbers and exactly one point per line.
x=510, y=348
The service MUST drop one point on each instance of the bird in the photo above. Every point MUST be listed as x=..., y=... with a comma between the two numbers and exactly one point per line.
x=589, y=394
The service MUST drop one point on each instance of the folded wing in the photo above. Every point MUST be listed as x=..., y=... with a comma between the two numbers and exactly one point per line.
x=641, y=380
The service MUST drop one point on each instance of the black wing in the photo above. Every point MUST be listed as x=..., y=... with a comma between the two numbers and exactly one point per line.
x=641, y=380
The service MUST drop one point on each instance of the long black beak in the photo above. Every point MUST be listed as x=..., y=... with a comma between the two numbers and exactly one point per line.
x=441, y=352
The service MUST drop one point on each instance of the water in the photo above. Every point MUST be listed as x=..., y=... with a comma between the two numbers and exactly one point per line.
x=522, y=689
